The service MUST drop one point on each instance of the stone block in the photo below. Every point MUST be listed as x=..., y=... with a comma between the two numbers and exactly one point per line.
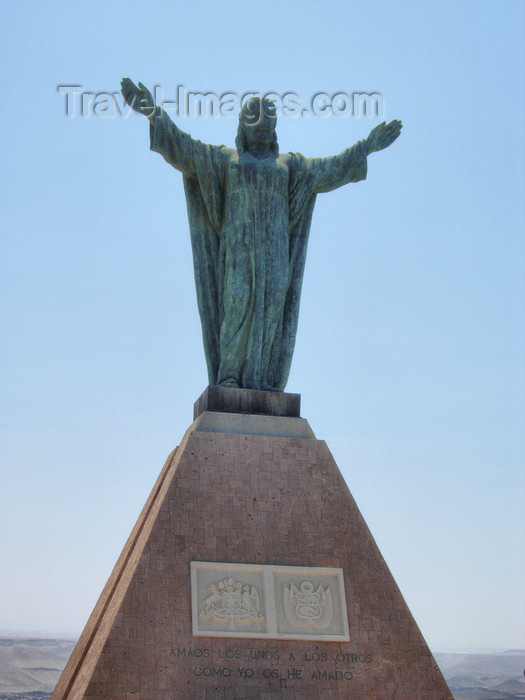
x=274, y=502
x=232, y=400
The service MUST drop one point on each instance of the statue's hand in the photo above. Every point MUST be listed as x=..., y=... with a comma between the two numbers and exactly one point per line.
x=383, y=135
x=138, y=98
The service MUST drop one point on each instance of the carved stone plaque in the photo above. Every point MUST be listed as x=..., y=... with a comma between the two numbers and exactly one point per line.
x=279, y=602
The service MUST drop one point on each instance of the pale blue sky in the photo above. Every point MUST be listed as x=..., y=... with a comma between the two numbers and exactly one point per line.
x=411, y=345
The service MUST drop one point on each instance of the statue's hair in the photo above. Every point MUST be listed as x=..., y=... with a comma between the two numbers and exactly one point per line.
x=269, y=107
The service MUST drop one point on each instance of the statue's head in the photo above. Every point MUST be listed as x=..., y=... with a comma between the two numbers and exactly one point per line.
x=257, y=121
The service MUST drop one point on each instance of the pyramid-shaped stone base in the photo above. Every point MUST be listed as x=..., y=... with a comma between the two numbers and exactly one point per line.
x=261, y=490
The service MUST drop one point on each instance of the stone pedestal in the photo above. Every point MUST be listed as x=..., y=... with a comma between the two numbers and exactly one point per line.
x=316, y=615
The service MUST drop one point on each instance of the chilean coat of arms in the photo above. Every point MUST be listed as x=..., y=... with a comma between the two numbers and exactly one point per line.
x=232, y=601
x=306, y=607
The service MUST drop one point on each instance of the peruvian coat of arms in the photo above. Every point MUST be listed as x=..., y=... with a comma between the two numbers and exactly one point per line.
x=232, y=601
x=308, y=607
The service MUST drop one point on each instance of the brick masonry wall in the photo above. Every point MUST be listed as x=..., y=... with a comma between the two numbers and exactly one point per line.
x=249, y=499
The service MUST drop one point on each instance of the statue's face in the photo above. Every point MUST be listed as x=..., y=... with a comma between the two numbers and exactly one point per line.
x=259, y=121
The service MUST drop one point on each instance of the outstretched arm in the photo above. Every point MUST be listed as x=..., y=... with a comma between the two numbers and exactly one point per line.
x=351, y=165
x=383, y=135
x=176, y=147
x=138, y=98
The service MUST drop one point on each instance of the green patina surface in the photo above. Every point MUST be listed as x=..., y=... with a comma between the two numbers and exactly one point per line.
x=249, y=211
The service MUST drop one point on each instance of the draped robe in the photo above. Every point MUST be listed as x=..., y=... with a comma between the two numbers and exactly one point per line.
x=249, y=222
